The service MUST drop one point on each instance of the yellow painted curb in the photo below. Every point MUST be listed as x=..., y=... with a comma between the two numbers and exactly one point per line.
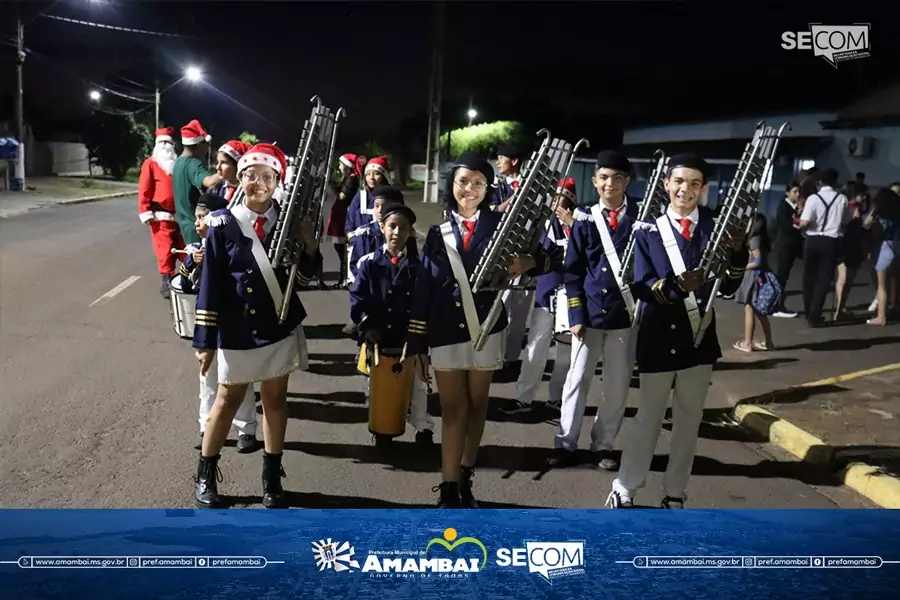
x=881, y=489
x=788, y=436
x=864, y=479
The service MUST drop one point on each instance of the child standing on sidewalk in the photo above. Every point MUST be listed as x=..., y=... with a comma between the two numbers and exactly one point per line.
x=757, y=277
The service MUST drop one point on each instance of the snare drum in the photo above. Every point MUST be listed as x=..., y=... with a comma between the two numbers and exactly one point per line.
x=183, y=310
x=390, y=392
x=559, y=306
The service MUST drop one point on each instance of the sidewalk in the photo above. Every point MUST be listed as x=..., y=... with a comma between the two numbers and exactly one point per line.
x=50, y=191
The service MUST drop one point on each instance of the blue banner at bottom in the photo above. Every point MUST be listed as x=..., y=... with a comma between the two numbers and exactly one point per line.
x=448, y=554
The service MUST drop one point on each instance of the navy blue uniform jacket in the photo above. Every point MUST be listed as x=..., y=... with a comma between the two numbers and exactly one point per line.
x=381, y=296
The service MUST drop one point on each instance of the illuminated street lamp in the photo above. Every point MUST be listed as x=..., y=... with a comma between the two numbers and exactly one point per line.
x=95, y=95
x=193, y=74
x=472, y=114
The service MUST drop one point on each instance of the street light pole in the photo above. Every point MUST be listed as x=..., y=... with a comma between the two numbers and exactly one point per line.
x=156, y=102
x=18, y=105
x=433, y=149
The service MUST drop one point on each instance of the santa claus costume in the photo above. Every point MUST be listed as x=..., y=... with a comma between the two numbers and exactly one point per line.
x=351, y=174
x=156, y=205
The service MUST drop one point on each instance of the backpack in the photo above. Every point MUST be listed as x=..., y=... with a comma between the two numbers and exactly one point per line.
x=768, y=298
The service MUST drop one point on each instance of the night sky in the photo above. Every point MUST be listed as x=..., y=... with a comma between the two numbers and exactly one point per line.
x=580, y=68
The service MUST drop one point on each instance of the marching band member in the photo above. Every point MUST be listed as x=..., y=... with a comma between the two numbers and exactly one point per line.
x=227, y=159
x=599, y=315
x=245, y=421
x=237, y=321
x=369, y=238
x=518, y=303
x=351, y=167
x=360, y=211
x=540, y=332
x=381, y=298
x=190, y=177
x=447, y=318
x=156, y=204
x=359, y=214
x=674, y=294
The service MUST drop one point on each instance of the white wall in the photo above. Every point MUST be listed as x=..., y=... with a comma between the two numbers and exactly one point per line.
x=801, y=125
x=882, y=167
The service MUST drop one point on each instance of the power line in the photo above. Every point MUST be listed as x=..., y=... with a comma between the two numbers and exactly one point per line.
x=114, y=28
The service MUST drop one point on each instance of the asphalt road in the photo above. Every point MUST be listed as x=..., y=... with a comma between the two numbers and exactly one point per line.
x=99, y=402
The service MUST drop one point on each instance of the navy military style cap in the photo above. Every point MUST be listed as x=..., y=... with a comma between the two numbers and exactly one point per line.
x=689, y=161
x=389, y=193
x=610, y=159
x=395, y=208
x=212, y=202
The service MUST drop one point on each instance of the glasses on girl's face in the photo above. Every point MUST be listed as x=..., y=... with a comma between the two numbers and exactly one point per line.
x=267, y=178
x=475, y=185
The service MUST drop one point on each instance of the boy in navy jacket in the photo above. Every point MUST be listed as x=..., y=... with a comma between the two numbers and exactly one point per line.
x=381, y=300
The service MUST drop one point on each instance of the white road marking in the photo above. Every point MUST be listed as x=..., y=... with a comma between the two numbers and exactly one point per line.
x=115, y=291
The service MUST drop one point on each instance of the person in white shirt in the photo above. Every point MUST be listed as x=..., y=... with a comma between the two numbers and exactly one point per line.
x=824, y=216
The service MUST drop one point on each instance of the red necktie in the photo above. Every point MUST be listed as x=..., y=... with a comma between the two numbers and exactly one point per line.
x=259, y=228
x=229, y=192
x=470, y=229
x=515, y=185
x=395, y=260
x=685, y=228
x=613, y=219
x=567, y=231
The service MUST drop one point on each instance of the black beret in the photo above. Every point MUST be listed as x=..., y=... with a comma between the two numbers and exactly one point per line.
x=397, y=207
x=212, y=202
x=610, y=159
x=689, y=161
x=510, y=151
x=475, y=162
x=391, y=194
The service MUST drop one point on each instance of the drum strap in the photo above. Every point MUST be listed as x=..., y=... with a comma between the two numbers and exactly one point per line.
x=259, y=255
x=459, y=273
x=678, y=268
x=364, y=203
x=609, y=248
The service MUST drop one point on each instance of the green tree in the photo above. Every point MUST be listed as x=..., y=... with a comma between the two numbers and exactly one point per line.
x=484, y=137
x=117, y=143
x=248, y=138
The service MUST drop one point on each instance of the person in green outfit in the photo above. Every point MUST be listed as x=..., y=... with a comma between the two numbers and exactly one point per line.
x=190, y=177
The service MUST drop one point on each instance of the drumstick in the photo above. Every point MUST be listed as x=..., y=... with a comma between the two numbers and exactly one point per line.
x=176, y=251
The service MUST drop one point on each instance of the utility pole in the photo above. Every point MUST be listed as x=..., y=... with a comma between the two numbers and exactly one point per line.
x=433, y=149
x=156, y=100
x=18, y=104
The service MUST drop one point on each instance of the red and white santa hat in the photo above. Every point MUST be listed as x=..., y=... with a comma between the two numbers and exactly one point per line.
x=269, y=155
x=348, y=160
x=235, y=149
x=567, y=189
x=193, y=134
x=380, y=164
x=165, y=134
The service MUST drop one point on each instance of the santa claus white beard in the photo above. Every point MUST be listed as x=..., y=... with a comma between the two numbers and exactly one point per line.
x=164, y=155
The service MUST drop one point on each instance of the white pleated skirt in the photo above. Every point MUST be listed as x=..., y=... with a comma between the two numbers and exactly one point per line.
x=261, y=364
x=464, y=356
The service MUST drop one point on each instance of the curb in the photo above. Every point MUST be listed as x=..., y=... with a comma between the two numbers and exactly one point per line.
x=71, y=202
x=864, y=479
x=100, y=197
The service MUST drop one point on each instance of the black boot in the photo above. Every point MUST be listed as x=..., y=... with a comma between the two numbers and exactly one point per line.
x=449, y=495
x=164, y=288
x=273, y=494
x=206, y=489
x=465, y=487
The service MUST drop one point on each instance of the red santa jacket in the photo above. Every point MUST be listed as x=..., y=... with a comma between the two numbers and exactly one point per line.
x=155, y=196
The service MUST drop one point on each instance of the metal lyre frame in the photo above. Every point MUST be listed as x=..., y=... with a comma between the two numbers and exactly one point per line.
x=654, y=197
x=519, y=230
x=746, y=192
x=312, y=161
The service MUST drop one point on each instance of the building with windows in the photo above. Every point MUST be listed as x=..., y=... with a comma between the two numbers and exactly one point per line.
x=862, y=137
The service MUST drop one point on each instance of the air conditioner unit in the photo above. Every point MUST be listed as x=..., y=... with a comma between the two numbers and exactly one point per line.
x=860, y=146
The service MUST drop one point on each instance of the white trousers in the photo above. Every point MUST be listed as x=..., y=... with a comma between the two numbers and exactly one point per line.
x=616, y=347
x=691, y=388
x=245, y=419
x=418, y=415
x=518, y=304
x=540, y=336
